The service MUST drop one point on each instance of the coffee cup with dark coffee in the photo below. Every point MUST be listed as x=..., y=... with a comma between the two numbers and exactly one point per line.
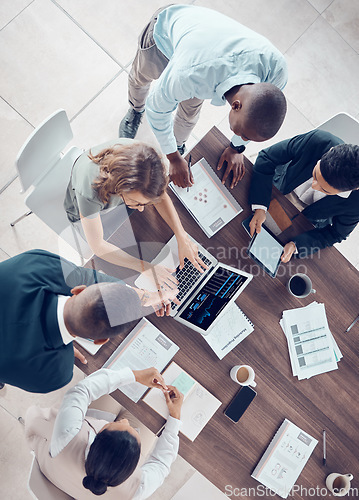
x=300, y=285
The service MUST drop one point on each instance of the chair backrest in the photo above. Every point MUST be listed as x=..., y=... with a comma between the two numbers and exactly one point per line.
x=43, y=148
x=41, y=488
x=46, y=200
x=344, y=126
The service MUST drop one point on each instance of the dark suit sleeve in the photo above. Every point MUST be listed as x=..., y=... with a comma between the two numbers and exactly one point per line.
x=310, y=242
x=75, y=275
x=264, y=169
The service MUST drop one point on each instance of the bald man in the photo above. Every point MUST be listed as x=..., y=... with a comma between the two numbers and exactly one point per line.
x=196, y=53
x=47, y=301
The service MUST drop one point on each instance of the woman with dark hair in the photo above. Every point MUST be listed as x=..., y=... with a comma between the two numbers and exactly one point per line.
x=112, y=458
x=129, y=173
x=85, y=456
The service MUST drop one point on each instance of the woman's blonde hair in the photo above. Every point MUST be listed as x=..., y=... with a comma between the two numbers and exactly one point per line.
x=128, y=167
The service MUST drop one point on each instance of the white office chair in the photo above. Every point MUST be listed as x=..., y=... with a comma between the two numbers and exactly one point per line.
x=344, y=126
x=41, y=488
x=43, y=167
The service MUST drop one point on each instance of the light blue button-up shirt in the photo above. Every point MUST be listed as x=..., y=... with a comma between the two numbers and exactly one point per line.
x=209, y=53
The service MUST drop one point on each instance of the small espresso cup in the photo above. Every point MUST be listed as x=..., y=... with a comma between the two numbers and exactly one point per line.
x=300, y=285
x=243, y=375
x=338, y=484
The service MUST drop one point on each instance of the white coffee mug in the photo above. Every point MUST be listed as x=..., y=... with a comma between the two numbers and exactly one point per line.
x=338, y=484
x=305, y=285
x=243, y=375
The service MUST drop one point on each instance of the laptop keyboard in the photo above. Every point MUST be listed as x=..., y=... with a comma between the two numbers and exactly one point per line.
x=187, y=277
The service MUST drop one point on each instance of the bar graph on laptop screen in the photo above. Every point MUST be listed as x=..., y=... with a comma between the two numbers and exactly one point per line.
x=206, y=305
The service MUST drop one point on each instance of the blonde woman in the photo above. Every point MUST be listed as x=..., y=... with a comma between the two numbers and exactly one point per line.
x=131, y=173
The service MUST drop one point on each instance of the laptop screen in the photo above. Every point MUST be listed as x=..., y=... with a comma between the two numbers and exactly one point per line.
x=210, y=300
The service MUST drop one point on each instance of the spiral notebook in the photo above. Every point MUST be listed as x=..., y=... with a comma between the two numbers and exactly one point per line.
x=229, y=331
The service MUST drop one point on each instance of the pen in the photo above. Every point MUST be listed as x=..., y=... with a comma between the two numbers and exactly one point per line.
x=324, y=448
x=189, y=167
x=351, y=326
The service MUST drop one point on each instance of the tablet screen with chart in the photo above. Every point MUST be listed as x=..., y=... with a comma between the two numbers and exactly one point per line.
x=208, y=200
x=217, y=292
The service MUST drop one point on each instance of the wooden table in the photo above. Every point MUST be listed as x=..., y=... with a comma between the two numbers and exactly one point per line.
x=224, y=452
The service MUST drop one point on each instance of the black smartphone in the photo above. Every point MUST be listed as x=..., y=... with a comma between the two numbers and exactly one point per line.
x=245, y=224
x=240, y=403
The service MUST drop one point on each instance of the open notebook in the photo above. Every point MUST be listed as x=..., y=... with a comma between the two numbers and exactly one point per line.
x=199, y=405
x=145, y=346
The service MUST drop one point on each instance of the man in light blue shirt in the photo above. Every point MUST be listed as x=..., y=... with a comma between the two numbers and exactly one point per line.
x=196, y=53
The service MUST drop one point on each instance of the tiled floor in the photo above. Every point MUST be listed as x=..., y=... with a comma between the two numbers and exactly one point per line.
x=76, y=55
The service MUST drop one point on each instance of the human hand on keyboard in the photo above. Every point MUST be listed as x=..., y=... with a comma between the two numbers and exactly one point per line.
x=160, y=277
x=188, y=249
x=160, y=300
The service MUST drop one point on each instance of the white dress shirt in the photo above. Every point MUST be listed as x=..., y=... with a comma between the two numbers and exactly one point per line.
x=209, y=53
x=72, y=412
x=307, y=195
x=65, y=334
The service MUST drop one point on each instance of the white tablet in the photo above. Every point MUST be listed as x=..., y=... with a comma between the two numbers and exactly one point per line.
x=266, y=250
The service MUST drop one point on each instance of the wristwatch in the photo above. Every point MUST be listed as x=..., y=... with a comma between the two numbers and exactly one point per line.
x=239, y=149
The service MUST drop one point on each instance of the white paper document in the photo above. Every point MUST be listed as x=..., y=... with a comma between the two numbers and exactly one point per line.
x=229, y=331
x=312, y=348
x=199, y=405
x=88, y=345
x=208, y=200
x=284, y=459
x=144, y=347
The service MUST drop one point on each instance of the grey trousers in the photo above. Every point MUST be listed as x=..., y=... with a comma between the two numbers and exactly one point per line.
x=147, y=66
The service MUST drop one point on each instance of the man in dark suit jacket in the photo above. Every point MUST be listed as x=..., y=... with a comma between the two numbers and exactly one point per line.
x=38, y=319
x=323, y=172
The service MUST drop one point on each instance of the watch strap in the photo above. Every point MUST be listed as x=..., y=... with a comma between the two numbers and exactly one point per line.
x=239, y=149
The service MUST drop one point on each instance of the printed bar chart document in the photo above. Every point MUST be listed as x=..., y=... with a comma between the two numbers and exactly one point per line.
x=312, y=348
x=208, y=200
x=199, y=405
x=145, y=346
x=284, y=459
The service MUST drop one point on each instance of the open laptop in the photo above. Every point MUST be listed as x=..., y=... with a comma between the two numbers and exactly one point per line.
x=204, y=296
